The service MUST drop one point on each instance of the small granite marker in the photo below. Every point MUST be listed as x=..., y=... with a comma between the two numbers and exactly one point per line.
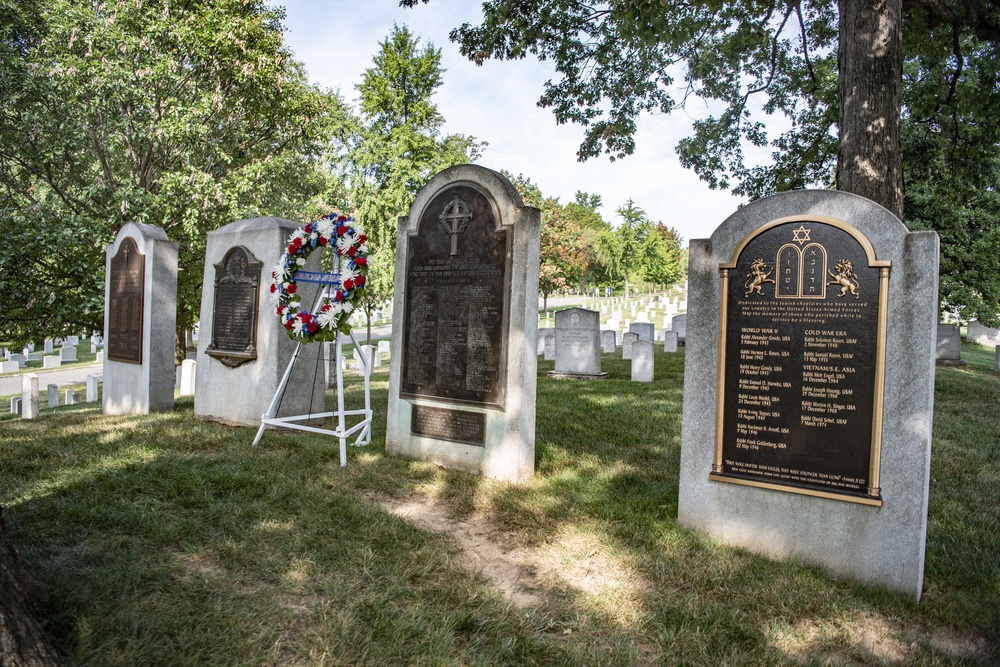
x=642, y=361
x=578, y=350
x=609, y=341
x=628, y=338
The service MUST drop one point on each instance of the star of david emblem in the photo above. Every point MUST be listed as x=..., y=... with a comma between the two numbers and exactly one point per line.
x=800, y=235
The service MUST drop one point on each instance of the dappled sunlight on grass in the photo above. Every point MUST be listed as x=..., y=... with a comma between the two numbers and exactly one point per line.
x=166, y=539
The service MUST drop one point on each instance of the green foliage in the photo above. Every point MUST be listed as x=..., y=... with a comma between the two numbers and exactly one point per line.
x=767, y=73
x=398, y=147
x=951, y=140
x=563, y=256
x=187, y=116
x=638, y=249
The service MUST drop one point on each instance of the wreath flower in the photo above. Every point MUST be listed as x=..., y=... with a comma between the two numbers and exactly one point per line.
x=348, y=240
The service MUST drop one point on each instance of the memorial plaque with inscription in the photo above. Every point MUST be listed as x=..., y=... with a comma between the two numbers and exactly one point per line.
x=127, y=286
x=802, y=361
x=457, y=282
x=445, y=424
x=234, y=322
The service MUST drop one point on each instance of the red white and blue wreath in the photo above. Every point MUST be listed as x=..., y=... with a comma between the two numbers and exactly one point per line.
x=347, y=286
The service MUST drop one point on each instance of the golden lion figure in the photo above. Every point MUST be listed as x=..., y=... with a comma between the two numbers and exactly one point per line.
x=760, y=273
x=846, y=278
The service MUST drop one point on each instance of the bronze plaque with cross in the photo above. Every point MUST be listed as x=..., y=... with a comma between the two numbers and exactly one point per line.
x=457, y=283
x=125, y=303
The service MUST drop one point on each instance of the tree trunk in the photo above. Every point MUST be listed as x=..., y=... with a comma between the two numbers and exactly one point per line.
x=22, y=642
x=870, y=60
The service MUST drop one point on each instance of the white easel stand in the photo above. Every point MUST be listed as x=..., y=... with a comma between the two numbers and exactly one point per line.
x=341, y=432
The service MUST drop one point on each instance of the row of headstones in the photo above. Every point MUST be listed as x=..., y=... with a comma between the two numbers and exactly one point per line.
x=16, y=361
x=949, y=342
x=27, y=404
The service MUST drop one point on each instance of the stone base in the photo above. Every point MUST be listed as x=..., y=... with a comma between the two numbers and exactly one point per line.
x=561, y=375
x=953, y=363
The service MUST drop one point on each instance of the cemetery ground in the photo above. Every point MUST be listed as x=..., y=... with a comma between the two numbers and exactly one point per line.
x=171, y=541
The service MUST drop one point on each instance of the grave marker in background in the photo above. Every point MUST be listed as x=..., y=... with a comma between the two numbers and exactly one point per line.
x=462, y=380
x=578, y=349
x=807, y=418
x=140, y=310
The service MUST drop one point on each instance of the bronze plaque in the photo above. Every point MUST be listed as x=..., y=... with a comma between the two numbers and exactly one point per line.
x=457, y=282
x=802, y=361
x=445, y=424
x=234, y=322
x=127, y=284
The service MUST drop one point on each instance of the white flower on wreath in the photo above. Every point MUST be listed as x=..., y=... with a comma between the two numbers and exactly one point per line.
x=274, y=297
x=345, y=242
x=325, y=227
x=297, y=326
x=328, y=318
x=279, y=271
x=346, y=272
x=363, y=249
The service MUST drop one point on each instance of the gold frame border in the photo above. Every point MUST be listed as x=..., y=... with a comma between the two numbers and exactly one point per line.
x=874, y=470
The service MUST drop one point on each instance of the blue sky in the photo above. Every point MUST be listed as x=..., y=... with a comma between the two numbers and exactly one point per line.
x=496, y=103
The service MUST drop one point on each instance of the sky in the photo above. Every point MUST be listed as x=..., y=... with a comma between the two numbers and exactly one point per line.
x=496, y=104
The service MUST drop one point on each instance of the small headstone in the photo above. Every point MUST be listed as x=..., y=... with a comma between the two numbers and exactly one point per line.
x=550, y=348
x=642, y=361
x=645, y=330
x=53, y=391
x=29, y=396
x=679, y=324
x=100, y=357
x=669, y=341
x=949, y=343
x=628, y=338
x=364, y=359
x=544, y=333
x=93, y=347
x=73, y=340
x=609, y=341
x=69, y=397
x=383, y=347
x=51, y=362
x=578, y=349
x=18, y=359
x=67, y=353
x=34, y=356
x=91, y=388
x=9, y=367
x=15, y=405
x=48, y=348
x=977, y=333
x=188, y=374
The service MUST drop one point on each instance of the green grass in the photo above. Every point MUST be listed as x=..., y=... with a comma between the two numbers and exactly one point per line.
x=166, y=540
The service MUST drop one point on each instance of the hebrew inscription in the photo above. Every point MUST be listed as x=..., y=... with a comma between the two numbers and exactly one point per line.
x=801, y=376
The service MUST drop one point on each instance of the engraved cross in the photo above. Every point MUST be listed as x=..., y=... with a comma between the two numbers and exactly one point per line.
x=454, y=219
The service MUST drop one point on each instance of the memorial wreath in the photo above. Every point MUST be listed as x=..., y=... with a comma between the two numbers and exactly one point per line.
x=347, y=284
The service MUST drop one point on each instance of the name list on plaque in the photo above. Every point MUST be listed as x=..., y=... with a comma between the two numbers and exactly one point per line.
x=456, y=298
x=234, y=322
x=127, y=283
x=800, y=386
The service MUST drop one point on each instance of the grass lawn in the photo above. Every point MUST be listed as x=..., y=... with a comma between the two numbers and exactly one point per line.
x=165, y=540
